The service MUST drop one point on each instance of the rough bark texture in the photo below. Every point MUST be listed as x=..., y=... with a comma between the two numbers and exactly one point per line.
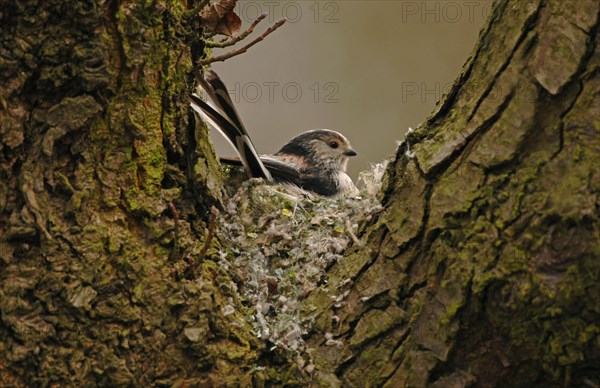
x=106, y=187
x=482, y=269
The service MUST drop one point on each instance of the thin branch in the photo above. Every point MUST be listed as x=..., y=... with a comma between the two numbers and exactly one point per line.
x=233, y=53
x=234, y=40
x=212, y=223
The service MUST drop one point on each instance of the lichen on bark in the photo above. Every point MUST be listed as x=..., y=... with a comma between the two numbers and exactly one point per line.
x=104, y=210
x=486, y=249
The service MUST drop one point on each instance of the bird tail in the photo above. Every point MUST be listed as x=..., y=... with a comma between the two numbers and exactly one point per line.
x=225, y=119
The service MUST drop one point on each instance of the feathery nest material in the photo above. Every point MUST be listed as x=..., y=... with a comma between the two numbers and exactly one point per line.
x=279, y=246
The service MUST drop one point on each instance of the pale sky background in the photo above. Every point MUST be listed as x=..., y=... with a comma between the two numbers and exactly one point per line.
x=368, y=69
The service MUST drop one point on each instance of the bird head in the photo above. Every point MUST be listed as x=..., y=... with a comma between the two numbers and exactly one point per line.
x=321, y=147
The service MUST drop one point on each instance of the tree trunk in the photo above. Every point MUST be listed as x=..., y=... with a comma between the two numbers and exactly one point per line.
x=105, y=193
x=480, y=270
x=483, y=267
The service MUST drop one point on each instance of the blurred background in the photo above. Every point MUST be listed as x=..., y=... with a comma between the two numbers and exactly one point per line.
x=368, y=69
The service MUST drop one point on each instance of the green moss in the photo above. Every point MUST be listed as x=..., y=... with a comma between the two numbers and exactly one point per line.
x=451, y=312
x=74, y=204
x=375, y=322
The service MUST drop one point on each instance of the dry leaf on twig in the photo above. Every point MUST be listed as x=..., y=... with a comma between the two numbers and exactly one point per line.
x=220, y=18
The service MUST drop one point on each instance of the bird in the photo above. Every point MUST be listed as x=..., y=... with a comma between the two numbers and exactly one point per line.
x=314, y=161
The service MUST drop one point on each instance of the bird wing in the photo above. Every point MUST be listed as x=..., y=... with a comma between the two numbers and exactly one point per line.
x=282, y=170
x=225, y=119
x=279, y=170
x=310, y=179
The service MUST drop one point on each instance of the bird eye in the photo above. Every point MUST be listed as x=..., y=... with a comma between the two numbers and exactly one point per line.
x=333, y=144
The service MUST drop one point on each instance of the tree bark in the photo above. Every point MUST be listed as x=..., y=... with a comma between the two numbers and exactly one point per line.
x=481, y=269
x=105, y=194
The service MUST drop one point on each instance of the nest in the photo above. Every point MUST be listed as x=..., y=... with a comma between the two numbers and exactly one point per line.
x=279, y=243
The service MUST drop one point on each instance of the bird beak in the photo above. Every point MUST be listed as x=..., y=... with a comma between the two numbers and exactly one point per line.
x=350, y=153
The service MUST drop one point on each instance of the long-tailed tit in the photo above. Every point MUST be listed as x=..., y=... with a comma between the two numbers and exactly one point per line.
x=315, y=160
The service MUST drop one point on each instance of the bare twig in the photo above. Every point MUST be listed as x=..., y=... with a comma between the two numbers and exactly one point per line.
x=230, y=42
x=233, y=53
x=175, y=213
x=212, y=223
